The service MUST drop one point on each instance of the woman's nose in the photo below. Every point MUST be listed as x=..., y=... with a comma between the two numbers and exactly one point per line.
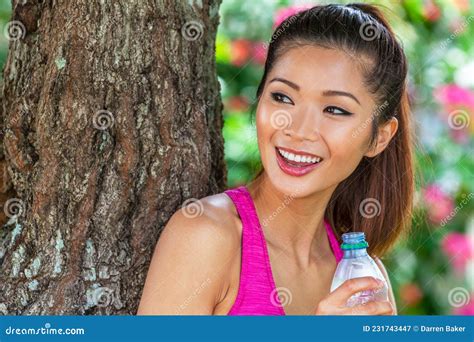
x=304, y=125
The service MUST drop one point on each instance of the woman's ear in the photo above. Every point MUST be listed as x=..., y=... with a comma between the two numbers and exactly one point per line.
x=385, y=134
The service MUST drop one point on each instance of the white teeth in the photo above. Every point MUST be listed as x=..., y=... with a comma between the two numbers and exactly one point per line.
x=299, y=158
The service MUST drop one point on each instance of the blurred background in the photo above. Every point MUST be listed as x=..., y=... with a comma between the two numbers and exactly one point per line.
x=433, y=272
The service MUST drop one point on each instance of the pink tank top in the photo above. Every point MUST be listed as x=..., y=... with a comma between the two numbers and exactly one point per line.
x=257, y=293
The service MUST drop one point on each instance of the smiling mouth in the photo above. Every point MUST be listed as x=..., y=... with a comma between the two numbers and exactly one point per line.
x=296, y=163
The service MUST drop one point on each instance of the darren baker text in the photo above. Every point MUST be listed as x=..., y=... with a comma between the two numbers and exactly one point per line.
x=445, y=328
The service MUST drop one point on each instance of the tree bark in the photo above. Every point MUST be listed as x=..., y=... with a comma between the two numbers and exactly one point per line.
x=111, y=120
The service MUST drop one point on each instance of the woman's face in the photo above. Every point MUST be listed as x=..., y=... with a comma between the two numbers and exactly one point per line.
x=314, y=106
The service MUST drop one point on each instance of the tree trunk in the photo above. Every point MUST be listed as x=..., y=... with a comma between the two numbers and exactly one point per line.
x=112, y=118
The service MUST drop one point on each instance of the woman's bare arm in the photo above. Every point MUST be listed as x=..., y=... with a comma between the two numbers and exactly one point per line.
x=187, y=274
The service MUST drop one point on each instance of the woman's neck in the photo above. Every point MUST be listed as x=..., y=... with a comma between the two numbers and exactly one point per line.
x=292, y=224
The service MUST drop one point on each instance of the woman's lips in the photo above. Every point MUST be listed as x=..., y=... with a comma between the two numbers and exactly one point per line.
x=294, y=168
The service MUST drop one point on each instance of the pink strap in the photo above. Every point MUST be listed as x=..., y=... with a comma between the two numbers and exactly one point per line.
x=336, y=247
x=256, y=294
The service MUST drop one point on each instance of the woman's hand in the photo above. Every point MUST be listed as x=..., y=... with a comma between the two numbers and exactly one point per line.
x=335, y=302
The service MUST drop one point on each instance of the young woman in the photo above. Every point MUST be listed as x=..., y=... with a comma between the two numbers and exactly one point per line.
x=335, y=141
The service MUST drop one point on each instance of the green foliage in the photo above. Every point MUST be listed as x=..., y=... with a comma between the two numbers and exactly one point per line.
x=437, y=37
x=5, y=13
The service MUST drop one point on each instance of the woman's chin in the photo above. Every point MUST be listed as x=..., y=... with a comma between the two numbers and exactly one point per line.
x=292, y=186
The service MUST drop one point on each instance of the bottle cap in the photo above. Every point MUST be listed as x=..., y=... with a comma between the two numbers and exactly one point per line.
x=354, y=240
x=364, y=244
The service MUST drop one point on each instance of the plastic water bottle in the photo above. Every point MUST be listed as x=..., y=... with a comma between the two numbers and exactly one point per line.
x=357, y=263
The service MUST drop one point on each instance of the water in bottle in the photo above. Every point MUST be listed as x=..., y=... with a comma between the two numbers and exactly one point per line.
x=357, y=263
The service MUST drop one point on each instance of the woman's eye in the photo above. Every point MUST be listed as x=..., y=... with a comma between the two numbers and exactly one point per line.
x=278, y=97
x=337, y=111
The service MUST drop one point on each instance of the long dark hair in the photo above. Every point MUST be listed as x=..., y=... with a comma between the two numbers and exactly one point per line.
x=377, y=197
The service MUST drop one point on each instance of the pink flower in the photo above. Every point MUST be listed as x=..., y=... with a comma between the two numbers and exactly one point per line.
x=259, y=52
x=466, y=310
x=411, y=294
x=462, y=5
x=457, y=26
x=459, y=249
x=237, y=104
x=431, y=11
x=460, y=136
x=458, y=110
x=287, y=12
x=452, y=96
x=439, y=204
x=240, y=52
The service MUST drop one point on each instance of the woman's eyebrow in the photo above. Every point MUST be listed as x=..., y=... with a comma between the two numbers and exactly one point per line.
x=325, y=93
x=340, y=93
x=291, y=84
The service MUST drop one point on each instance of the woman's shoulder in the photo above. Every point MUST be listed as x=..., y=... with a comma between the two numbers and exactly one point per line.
x=212, y=222
x=196, y=249
x=214, y=211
